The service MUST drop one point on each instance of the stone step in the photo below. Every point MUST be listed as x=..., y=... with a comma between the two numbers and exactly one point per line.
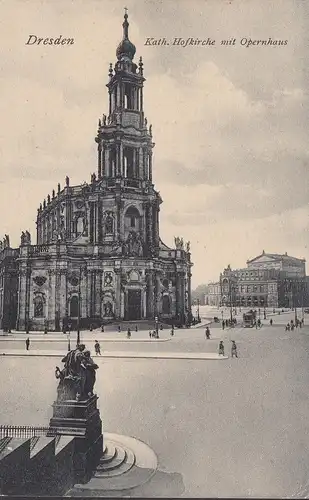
x=116, y=462
x=121, y=469
x=110, y=455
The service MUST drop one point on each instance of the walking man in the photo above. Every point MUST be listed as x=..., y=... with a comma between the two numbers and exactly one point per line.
x=221, y=348
x=27, y=343
x=129, y=333
x=271, y=322
x=97, y=348
x=234, y=349
x=207, y=333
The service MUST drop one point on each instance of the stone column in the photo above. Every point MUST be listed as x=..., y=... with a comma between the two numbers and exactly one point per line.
x=141, y=163
x=150, y=295
x=121, y=159
x=118, y=293
x=63, y=296
x=107, y=169
x=99, y=161
x=158, y=295
x=144, y=303
x=98, y=288
x=57, y=299
x=92, y=294
x=178, y=295
x=122, y=304
x=83, y=294
x=189, y=292
x=150, y=165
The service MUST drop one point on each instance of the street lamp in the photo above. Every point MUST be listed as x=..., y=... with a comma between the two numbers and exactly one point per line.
x=231, y=303
x=198, y=311
x=78, y=309
x=157, y=326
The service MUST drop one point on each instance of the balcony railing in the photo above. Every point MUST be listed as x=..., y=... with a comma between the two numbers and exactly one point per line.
x=39, y=249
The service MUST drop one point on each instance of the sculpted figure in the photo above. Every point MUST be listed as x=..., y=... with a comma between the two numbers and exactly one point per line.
x=188, y=246
x=27, y=238
x=67, y=181
x=74, y=372
x=109, y=224
x=22, y=238
x=91, y=368
x=104, y=119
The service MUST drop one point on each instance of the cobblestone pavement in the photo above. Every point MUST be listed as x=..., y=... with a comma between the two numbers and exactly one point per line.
x=237, y=427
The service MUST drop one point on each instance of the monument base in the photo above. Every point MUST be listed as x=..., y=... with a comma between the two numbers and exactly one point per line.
x=80, y=419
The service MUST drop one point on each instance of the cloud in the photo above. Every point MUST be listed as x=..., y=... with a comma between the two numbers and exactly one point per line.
x=230, y=124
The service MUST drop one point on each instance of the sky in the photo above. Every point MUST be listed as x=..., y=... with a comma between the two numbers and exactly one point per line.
x=229, y=122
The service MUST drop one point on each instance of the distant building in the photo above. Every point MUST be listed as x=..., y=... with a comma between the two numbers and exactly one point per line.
x=213, y=294
x=269, y=280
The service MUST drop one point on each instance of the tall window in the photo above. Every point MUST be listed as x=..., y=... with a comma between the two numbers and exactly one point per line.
x=74, y=307
x=166, y=306
x=128, y=101
x=38, y=307
x=128, y=162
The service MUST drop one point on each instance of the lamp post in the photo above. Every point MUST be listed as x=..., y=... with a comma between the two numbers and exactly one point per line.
x=157, y=326
x=198, y=311
x=78, y=309
x=231, y=303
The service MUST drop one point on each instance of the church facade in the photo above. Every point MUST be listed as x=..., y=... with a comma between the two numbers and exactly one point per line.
x=98, y=256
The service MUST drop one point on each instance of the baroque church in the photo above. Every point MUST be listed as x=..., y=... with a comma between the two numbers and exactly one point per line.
x=98, y=256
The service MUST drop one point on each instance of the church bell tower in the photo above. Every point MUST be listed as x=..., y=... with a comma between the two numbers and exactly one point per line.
x=125, y=151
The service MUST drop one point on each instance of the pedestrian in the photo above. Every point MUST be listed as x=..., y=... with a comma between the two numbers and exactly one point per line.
x=119, y=328
x=150, y=334
x=91, y=327
x=172, y=332
x=234, y=349
x=102, y=328
x=129, y=333
x=45, y=330
x=136, y=329
x=221, y=348
x=223, y=324
x=27, y=343
x=97, y=348
x=271, y=322
x=292, y=327
x=259, y=323
x=161, y=327
x=207, y=333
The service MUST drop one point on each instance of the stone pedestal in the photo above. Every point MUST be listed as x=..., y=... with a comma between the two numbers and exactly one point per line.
x=80, y=419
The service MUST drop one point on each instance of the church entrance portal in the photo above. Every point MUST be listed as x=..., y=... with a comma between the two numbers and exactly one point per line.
x=133, y=311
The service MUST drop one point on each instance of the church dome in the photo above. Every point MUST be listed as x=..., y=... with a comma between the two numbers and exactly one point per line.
x=125, y=48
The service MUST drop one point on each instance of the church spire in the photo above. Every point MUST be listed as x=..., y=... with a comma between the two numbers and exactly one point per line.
x=125, y=25
x=126, y=49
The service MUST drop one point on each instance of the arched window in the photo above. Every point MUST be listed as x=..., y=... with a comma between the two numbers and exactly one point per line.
x=38, y=306
x=166, y=306
x=132, y=218
x=74, y=307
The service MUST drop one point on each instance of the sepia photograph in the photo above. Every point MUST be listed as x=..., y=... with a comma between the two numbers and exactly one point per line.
x=154, y=241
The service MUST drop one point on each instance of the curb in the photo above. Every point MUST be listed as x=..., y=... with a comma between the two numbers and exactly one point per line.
x=198, y=357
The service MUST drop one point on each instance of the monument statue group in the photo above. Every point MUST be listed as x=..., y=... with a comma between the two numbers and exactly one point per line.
x=77, y=378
